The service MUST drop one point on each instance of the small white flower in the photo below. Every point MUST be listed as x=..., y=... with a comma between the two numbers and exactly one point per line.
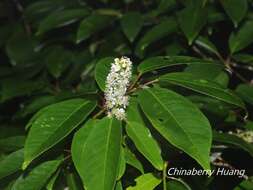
x=117, y=82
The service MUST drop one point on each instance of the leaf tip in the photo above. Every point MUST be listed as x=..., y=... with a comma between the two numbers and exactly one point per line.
x=25, y=164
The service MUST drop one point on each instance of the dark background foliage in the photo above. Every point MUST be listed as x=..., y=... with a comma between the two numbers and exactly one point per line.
x=49, y=50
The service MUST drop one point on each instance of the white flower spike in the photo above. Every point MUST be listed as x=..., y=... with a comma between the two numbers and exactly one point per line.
x=117, y=82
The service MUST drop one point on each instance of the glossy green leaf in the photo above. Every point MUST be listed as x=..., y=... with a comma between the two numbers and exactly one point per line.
x=61, y=18
x=132, y=160
x=101, y=71
x=242, y=38
x=38, y=177
x=147, y=181
x=192, y=19
x=202, y=86
x=233, y=140
x=235, y=9
x=179, y=121
x=142, y=137
x=159, y=31
x=54, y=124
x=90, y=25
x=131, y=24
x=159, y=62
x=11, y=163
x=96, y=153
x=245, y=91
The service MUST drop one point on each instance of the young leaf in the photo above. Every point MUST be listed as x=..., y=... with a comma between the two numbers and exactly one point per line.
x=61, y=18
x=11, y=163
x=235, y=9
x=159, y=62
x=242, y=38
x=38, y=177
x=131, y=24
x=192, y=19
x=202, y=86
x=179, y=121
x=54, y=124
x=92, y=24
x=96, y=153
x=147, y=181
x=159, y=31
x=101, y=71
x=142, y=137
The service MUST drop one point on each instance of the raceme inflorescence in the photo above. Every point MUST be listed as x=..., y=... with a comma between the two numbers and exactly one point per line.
x=117, y=82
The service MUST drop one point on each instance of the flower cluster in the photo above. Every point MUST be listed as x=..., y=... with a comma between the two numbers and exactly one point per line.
x=117, y=82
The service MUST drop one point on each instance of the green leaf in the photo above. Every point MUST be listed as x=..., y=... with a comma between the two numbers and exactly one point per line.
x=92, y=24
x=132, y=160
x=61, y=18
x=245, y=91
x=177, y=184
x=119, y=186
x=38, y=177
x=179, y=121
x=159, y=62
x=54, y=124
x=202, y=86
x=242, y=38
x=20, y=48
x=73, y=181
x=12, y=143
x=96, y=153
x=51, y=183
x=192, y=19
x=244, y=58
x=245, y=185
x=15, y=87
x=235, y=9
x=233, y=140
x=147, y=181
x=159, y=31
x=142, y=137
x=206, y=44
x=56, y=64
x=131, y=24
x=101, y=71
x=122, y=164
x=11, y=163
